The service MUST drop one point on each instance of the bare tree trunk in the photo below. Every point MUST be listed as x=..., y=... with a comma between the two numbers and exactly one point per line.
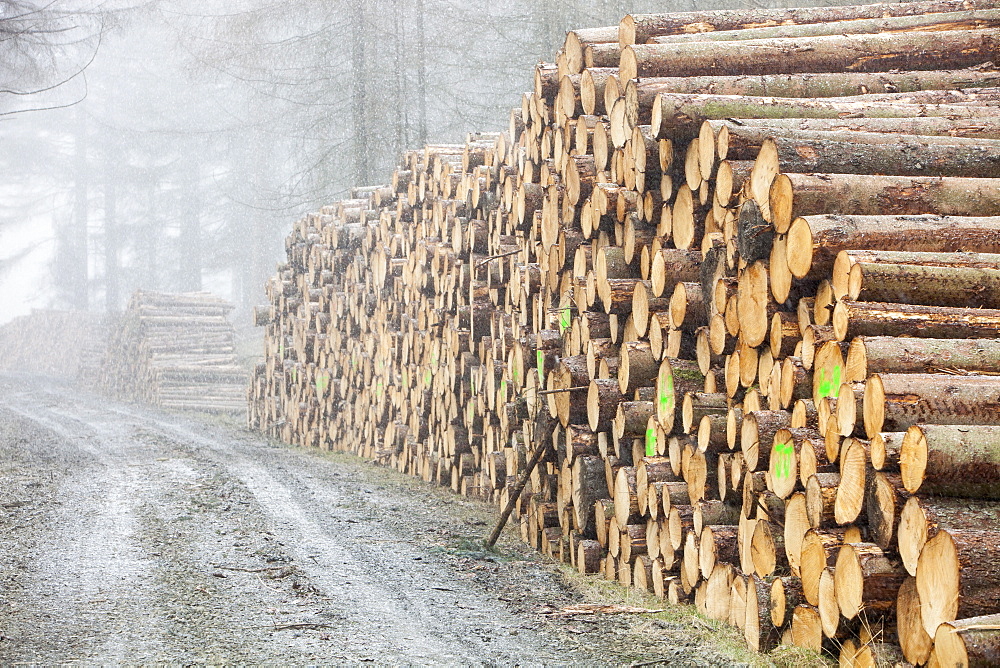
x=359, y=102
x=421, y=56
x=149, y=241
x=399, y=96
x=112, y=271
x=261, y=236
x=190, y=241
x=73, y=269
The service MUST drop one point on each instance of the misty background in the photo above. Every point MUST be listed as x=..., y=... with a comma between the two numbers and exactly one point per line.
x=169, y=145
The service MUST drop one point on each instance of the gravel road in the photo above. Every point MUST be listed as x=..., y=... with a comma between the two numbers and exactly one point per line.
x=134, y=536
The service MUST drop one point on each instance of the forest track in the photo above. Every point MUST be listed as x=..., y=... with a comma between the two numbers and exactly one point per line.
x=129, y=535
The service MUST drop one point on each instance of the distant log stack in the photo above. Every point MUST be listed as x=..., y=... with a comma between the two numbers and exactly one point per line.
x=175, y=351
x=65, y=345
x=757, y=337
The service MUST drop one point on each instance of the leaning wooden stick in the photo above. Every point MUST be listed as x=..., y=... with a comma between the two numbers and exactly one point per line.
x=516, y=493
x=579, y=388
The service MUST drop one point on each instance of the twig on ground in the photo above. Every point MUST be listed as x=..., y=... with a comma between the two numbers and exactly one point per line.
x=301, y=625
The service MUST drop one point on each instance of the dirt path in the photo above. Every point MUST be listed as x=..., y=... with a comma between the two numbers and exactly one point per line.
x=128, y=535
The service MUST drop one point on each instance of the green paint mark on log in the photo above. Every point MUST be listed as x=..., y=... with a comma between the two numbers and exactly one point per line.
x=565, y=320
x=830, y=387
x=666, y=393
x=785, y=458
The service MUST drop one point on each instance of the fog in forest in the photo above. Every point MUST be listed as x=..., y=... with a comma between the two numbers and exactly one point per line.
x=169, y=145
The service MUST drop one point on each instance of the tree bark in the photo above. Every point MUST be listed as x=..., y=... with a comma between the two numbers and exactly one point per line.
x=671, y=266
x=851, y=319
x=696, y=405
x=603, y=398
x=878, y=52
x=953, y=460
x=866, y=580
x=679, y=115
x=571, y=405
x=819, y=151
x=921, y=518
x=640, y=95
x=601, y=54
x=633, y=542
x=815, y=240
x=717, y=545
x=760, y=632
x=632, y=418
x=984, y=128
x=588, y=486
x=933, y=279
x=896, y=402
x=958, y=575
x=963, y=20
x=638, y=28
x=885, y=499
x=972, y=642
x=588, y=556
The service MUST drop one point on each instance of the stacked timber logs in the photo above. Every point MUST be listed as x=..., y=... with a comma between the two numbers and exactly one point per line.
x=175, y=350
x=748, y=324
x=62, y=344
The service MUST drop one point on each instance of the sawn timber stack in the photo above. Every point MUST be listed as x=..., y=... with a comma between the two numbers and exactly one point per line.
x=758, y=336
x=175, y=350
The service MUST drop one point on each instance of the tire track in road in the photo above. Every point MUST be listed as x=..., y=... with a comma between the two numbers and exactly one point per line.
x=90, y=566
x=365, y=551
x=399, y=603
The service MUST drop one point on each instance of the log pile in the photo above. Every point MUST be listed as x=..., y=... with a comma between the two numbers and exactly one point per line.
x=66, y=345
x=748, y=323
x=175, y=350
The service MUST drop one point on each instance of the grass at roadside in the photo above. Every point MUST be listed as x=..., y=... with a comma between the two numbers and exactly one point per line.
x=726, y=639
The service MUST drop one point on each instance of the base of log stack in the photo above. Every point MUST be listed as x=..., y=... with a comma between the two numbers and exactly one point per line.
x=958, y=575
x=972, y=642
